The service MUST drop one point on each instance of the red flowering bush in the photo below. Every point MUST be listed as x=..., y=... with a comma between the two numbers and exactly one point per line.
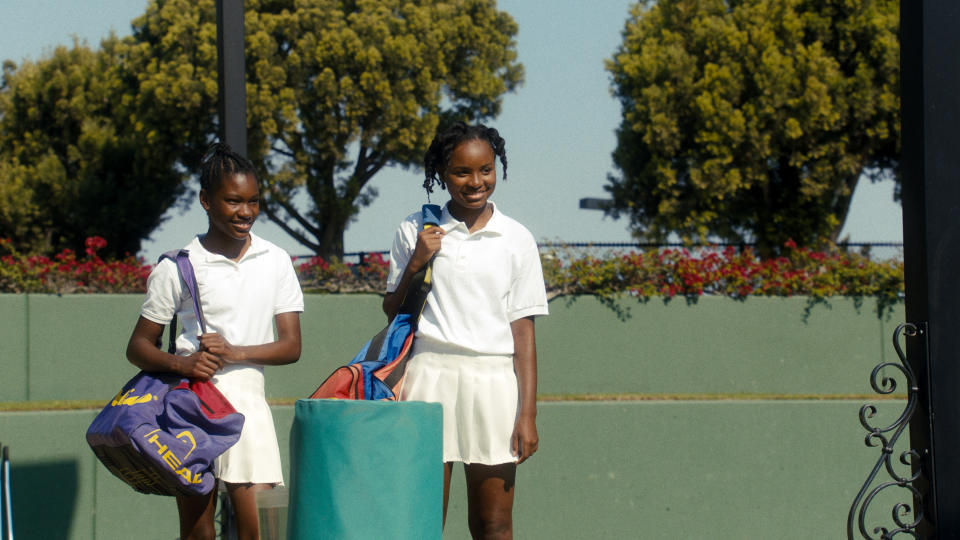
x=666, y=273
x=335, y=276
x=66, y=273
x=728, y=272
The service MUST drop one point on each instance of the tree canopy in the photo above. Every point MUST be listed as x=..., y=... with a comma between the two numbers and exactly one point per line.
x=753, y=120
x=337, y=90
x=100, y=142
x=80, y=155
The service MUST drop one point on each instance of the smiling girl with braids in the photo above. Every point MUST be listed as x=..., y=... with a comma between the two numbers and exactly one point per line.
x=475, y=351
x=247, y=285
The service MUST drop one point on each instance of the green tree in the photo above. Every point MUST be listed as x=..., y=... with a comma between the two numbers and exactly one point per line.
x=336, y=90
x=85, y=150
x=753, y=120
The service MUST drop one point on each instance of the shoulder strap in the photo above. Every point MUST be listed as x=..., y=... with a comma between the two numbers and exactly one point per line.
x=421, y=284
x=413, y=302
x=182, y=259
x=431, y=215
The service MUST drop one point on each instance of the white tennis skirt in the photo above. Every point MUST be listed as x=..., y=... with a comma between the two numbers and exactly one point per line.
x=255, y=458
x=479, y=396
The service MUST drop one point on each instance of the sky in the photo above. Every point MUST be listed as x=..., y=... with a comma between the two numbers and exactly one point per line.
x=559, y=127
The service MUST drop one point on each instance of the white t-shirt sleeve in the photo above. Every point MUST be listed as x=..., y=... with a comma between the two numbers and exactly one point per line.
x=289, y=294
x=528, y=294
x=403, y=243
x=163, y=292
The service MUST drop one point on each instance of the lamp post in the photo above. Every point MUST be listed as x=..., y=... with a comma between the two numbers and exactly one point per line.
x=930, y=114
x=231, y=68
x=592, y=203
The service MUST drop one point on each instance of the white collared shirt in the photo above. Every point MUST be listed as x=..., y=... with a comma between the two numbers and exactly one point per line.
x=239, y=299
x=482, y=282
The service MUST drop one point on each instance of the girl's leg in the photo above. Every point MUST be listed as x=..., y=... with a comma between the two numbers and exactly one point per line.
x=490, y=500
x=196, y=516
x=244, y=499
x=447, y=473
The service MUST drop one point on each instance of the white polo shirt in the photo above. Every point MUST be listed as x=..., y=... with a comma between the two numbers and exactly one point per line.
x=238, y=299
x=481, y=282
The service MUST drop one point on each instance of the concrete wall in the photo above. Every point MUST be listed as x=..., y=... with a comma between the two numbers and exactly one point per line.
x=641, y=469
x=610, y=470
x=72, y=347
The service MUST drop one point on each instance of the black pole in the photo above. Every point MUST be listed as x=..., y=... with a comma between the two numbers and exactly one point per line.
x=231, y=68
x=930, y=94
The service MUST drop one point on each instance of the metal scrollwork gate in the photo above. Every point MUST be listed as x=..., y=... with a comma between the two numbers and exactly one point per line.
x=886, y=438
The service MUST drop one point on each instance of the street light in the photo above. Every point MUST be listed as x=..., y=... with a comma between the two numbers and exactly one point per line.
x=591, y=203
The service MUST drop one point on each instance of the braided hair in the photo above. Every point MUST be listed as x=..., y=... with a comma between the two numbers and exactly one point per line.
x=219, y=162
x=438, y=155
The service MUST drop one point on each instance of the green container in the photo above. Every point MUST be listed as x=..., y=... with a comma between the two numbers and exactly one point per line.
x=365, y=469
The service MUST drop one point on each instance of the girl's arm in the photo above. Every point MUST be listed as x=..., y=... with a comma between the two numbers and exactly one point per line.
x=285, y=350
x=428, y=243
x=525, y=440
x=142, y=352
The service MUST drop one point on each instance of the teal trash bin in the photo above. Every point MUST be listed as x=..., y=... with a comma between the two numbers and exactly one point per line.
x=365, y=469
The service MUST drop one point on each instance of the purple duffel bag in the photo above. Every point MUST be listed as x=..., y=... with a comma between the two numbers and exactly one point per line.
x=162, y=431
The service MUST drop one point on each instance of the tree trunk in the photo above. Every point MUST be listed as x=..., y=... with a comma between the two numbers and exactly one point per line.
x=332, y=244
x=331, y=239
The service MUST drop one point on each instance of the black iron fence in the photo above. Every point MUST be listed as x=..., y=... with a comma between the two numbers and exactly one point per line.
x=876, y=251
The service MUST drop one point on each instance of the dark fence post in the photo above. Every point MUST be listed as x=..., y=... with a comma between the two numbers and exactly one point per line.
x=930, y=93
x=232, y=112
x=231, y=68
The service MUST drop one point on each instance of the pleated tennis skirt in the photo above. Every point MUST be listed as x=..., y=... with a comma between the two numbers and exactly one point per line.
x=255, y=458
x=479, y=397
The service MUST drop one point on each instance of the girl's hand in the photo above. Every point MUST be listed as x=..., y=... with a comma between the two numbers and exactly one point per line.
x=199, y=365
x=428, y=243
x=524, y=440
x=218, y=346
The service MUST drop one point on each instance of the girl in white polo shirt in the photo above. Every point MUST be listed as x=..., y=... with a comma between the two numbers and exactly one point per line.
x=475, y=351
x=247, y=285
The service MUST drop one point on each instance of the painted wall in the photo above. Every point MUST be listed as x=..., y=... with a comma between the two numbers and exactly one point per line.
x=737, y=470
x=641, y=469
x=72, y=347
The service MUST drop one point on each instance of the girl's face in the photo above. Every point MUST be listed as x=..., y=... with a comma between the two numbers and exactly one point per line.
x=470, y=176
x=233, y=206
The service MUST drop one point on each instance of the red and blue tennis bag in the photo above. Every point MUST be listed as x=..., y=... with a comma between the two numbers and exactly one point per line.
x=376, y=372
x=162, y=432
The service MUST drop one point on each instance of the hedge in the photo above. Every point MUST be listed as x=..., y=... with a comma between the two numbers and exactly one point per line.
x=667, y=273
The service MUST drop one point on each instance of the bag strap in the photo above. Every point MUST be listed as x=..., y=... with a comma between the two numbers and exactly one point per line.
x=431, y=215
x=422, y=281
x=182, y=259
x=420, y=285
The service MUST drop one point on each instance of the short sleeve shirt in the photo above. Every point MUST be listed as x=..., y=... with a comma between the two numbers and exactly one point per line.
x=482, y=281
x=238, y=299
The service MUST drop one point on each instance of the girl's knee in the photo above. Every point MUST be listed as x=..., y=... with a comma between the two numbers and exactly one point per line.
x=201, y=532
x=197, y=516
x=490, y=500
x=491, y=523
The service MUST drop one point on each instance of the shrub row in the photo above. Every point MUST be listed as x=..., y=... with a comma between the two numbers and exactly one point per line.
x=65, y=273
x=664, y=273
x=728, y=272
